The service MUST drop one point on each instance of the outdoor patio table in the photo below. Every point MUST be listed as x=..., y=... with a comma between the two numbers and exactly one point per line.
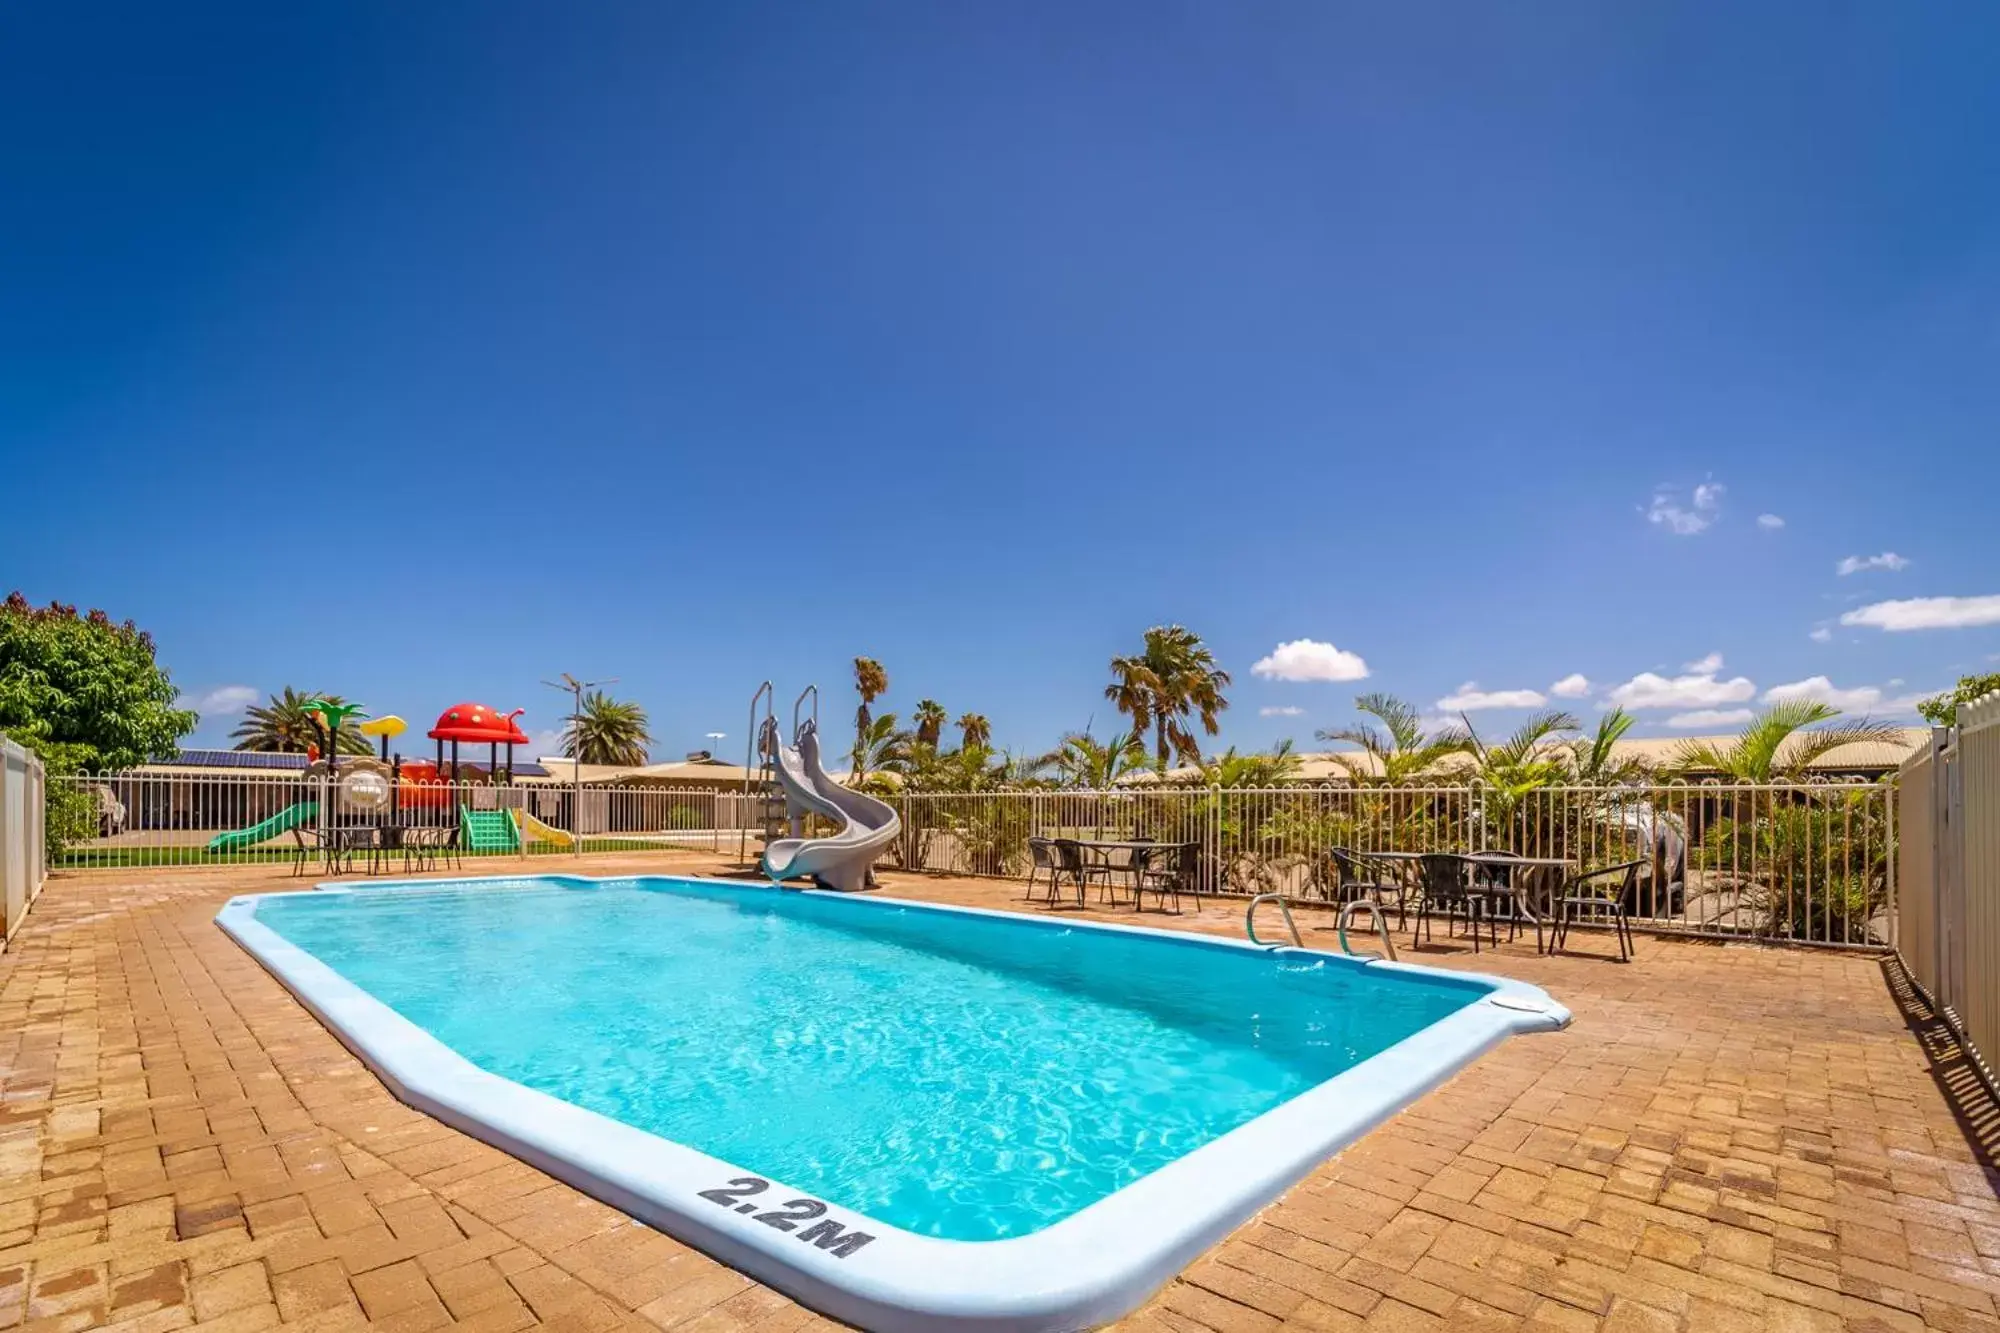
x=1518, y=885
x=1103, y=849
x=343, y=841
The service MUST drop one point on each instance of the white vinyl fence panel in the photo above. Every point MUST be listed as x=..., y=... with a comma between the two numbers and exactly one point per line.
x=1949, y=939
x=22, y=863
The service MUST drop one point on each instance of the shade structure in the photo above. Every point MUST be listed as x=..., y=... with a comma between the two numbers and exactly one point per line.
x=478, y=723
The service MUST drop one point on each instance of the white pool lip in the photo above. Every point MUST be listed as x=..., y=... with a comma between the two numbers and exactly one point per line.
x=1089, y=1268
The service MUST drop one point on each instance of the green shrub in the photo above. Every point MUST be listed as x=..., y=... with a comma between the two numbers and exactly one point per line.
x=1816, y=870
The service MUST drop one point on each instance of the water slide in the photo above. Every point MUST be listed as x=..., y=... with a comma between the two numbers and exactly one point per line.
x=283, y=822
x=534, y=830
x=866, y=826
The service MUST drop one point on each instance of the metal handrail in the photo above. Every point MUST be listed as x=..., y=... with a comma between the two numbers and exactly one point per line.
x=751, y=736
x=1250, y=921
x=813, y=690
x=1381, y=929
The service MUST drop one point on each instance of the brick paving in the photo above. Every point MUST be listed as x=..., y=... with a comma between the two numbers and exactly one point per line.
x=1726, y=1138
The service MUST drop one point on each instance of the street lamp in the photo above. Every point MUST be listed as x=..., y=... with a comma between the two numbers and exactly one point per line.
x=573, y=687
x=715, y=736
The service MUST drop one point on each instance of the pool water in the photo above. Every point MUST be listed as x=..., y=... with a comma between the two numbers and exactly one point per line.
x=961, y=1076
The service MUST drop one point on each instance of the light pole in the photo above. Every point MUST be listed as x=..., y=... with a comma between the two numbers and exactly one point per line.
x=573, y=687
x=714, y=737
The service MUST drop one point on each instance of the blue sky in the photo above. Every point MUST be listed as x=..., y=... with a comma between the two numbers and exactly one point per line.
x=422, y=352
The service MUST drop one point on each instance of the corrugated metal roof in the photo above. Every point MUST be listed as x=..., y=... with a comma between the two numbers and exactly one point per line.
x=676, y=771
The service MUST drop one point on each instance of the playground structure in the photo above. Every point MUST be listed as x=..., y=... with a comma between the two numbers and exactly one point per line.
x=389, y=791
x=864, y=827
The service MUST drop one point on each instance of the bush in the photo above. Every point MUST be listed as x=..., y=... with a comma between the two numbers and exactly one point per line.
x=72, y=809
x=1816, y=870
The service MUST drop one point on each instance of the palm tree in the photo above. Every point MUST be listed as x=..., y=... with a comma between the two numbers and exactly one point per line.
x=974, y=768
x=880, y=748
x=975, y=732
x=1776, y=745
x=284, y=726
x=871, y=682
x=1593, y=759
x=1159, y=689
x=930, y=719
x=606, y=731
x=1252, y=770
x=1525, y=760
x=1509, y=772
x=1083, y=761
x=1401, y=751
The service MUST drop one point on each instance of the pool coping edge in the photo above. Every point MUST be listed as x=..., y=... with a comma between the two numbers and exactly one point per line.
x=1092, y=1266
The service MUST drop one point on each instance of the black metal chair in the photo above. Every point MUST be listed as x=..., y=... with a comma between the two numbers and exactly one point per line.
x=306, y=844
x=424, y=846
x=1072, y=860
x=1444, y=885
x=1168, y=870
x=1356, y=879
x=1596, y=893
x=1504, y=882
x=1041, y=856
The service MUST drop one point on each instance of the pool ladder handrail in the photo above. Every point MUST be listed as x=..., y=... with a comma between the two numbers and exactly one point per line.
x=754, y=734
x=1250, y=921
x=813, y=691
x=1381, y=923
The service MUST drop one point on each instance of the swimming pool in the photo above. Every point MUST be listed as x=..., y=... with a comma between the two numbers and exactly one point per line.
x=906, y=1115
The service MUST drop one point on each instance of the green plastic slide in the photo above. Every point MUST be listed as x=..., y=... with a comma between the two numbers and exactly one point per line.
x=283, y=822
x=488, y=830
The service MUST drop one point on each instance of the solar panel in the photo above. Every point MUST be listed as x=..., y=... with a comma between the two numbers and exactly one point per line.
x=241, y=759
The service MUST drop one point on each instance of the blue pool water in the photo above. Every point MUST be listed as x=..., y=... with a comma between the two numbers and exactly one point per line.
x=959, y=1076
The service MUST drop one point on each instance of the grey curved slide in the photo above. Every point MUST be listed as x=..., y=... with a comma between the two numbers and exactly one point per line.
x=867, y=826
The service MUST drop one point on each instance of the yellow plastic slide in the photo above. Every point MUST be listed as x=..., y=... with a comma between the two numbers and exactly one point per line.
x=534, y=830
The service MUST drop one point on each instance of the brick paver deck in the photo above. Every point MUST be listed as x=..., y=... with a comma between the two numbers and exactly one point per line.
x=1726, y=1138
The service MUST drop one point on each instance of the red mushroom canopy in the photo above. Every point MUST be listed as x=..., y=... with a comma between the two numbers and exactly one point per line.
x=478, y=723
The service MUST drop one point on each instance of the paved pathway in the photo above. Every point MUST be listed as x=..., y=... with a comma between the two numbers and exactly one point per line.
x=1727, y=1138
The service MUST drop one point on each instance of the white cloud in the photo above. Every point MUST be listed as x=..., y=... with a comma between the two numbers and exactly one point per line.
x=1309, y=659
x=1860, y=699
x=1888, y=560
x=226, y=701
x=1821, y=635
x=1470, y=698
x=1770, y=522
x=1711, y=717
x=1285, y=711
x=1572, y=686
x=1698, y=689
x=1704, y=666
x=547, y=742
x=1818, y=689
x=1703, y=505
x=1927, y=613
